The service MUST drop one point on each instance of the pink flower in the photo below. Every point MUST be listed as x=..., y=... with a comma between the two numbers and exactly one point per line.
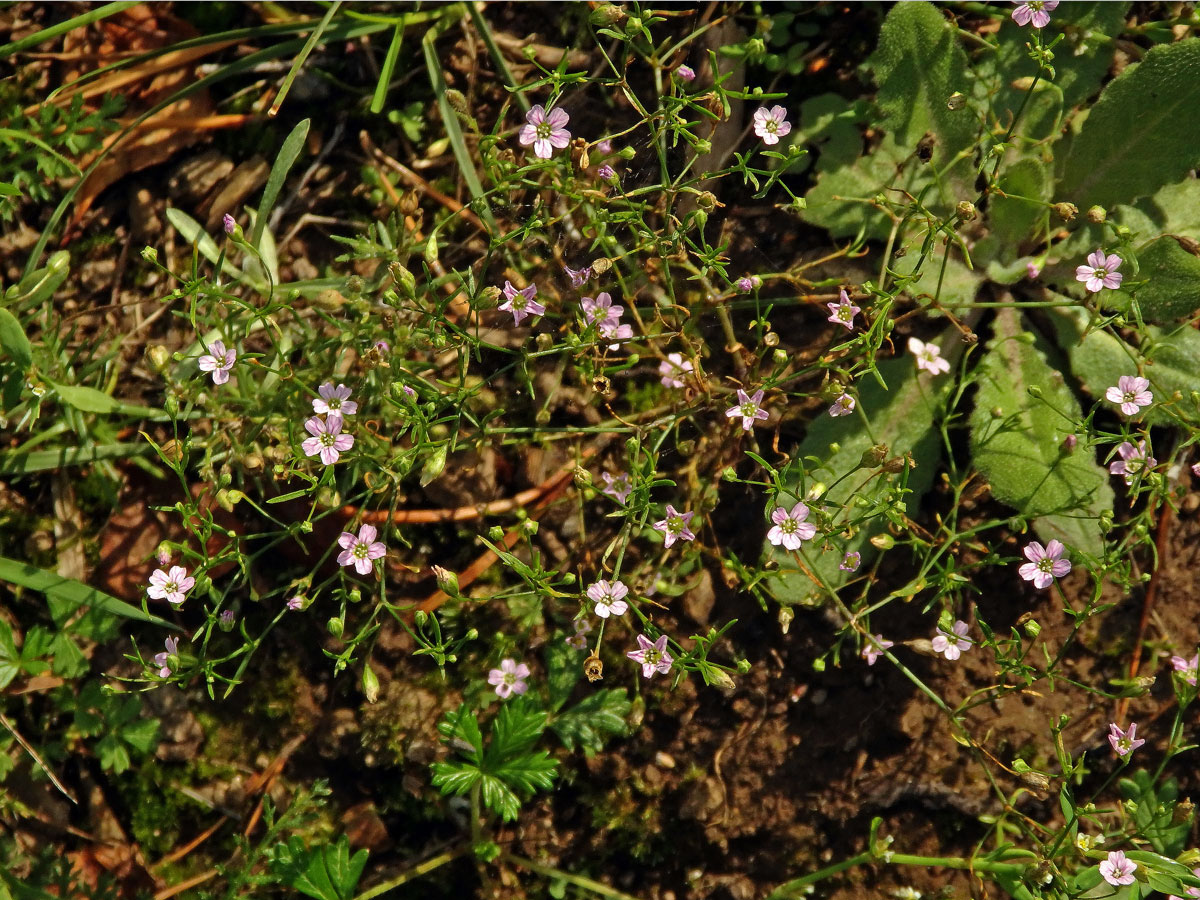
x=1134, y=461
x=1124, y=742
x=171, y=586
x=1032, y=270
x=1117, y=870
x=228, y=223
x=1131, y=392
x=929, y=357
x=219, y=362
x=1186, y=667
x=673, y=368
x=361, y=551
x=675, y=527
x=327, y=439
x=226, y=620
x=605, y=146
x=601, y=311
x=653, y=655
x=1196, y=469
x=748, y=408
x=578, y=276
x=842, y=406
x=771, y=125
x=686, y=73
x=521, y=303
x=609, y=598
x=510, y=678
x=851, y=561
x=162, y=659
x=606, y=172
x=1035, y=11
x=334, y=400
x=297, y=602
x=547, y=131
x=579, y=639
x=790, y=528
x=747, y=283
x=1045, y=563
x=843, y=312
x=873, y=648
x=1100, y=272
x=951, y=645
x=618, y=488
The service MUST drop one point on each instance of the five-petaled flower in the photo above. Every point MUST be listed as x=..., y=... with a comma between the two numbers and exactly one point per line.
x=951, y=645
x=929, y=356
x=1117, y=870
x=1045, y=563
x=362, y=551
x=509, y=679
x=601, y=311
x=1187, y=668
x=843, y=312
x=609, y=598
x=790, y=528
x=521, y=303
x=1131, y=392
x=1100, y=271
x=171, y=586
x=219, y=362
x=327, y=439
x=618, y=488
x=578, y=640
x=1124, y=742
x=547, y=131
x=162, y=659
x=1035, y=11
x=652, y=655
x=675, y=527
x=334, y=400
x=851, y=561
x=1134, y=461
x=749, y=408
x=772, y=124
x=873, y=648
x=842, y=406
x=673, y=368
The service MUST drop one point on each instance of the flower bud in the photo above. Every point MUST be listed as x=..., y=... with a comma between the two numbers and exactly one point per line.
x=1096, y=215
x=873, y=457
x=158, y=356
x=446, y=580
x=785, y=618
x=150, y=255
x=226, y=620
x=335, y=626
x=1065, y=211
x=883, y=542
x=403, y=278
x=1032, y=629
x=370, y=683
x=496, y=533
x=780, y=357
x=232, y=228
x=771, y=339
x=966, y=210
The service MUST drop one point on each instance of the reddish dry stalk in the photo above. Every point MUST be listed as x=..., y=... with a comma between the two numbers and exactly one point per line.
x=1135, y=662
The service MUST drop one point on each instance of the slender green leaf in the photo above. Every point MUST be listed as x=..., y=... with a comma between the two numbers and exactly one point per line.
x=43, y=35
x=387, y=69
x=288, y=152
x=16, y=462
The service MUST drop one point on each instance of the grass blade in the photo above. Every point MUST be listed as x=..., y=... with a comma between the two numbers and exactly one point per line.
x=48, y=34
x=389, y=66
x=22, y=462
x=20, y=573
x=312, y=41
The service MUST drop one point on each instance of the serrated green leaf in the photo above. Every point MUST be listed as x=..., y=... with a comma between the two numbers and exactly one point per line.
x=515, y=729
x=1017, y=441
x=1141, y=134
x=902, y=416
x=499, y=798
x=461, y=725
x=141, y=735
x=454, y=778
x=596, y=717
x=112, y=753
x=14, y=342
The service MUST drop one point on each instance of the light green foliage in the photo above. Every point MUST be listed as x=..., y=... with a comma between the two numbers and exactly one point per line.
x=1172, y=363
x=840, y=201
x=902, y=416
x=322, y=871
x=117, y=720
x=1012, y=218
x=1017, y=440
x=599, y=716
x=948, y=280
x=1154, y=812
x=1172, y=276
x=1141, y=134
x=504, y=771
x=918, y=65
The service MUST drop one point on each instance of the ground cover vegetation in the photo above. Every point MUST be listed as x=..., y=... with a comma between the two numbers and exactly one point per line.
x=599, y=450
